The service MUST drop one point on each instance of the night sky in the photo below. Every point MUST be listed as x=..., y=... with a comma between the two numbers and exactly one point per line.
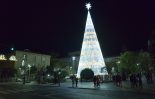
x=58, y=25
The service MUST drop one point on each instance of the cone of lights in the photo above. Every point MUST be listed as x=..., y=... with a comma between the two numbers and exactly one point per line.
x=91, y=55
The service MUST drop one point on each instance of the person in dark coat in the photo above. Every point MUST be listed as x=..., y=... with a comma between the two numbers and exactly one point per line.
x=73, y=80
x=76, y=81
x=131, y=81
x=94, y=80
x=119, y=80
x=135, y=80
x=98, y=81
x=140, y=80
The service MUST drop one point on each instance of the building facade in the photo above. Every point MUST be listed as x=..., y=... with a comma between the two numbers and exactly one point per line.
x=32, y=59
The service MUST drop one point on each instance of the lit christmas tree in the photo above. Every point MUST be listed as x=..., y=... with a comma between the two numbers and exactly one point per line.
x=91, y=55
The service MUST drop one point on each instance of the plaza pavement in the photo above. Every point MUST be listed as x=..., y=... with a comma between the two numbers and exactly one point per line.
x=147, y=88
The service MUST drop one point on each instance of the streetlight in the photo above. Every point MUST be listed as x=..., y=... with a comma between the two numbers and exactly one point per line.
x=137, y=64
x=48, y=75
x=73, y=60
x=12, y=48
x=113, y=70
x=138, y=67
x=29, y=66
x=70, y=70
x=118, y=63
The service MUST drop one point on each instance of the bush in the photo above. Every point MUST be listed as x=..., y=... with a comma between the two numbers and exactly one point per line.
x=87, y=74
x=63, y=74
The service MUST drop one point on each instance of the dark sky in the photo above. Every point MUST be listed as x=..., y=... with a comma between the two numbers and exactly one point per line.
x=58, y=25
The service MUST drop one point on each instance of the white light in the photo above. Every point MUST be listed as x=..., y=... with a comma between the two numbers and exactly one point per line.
x=2, y=57
x=88, y=6
x=73, y=58
x=137, y=64
x=48, y=75
x=23, y=62
x=118, y=62
x=12, y=58
x=29, y=65
x=12, y=49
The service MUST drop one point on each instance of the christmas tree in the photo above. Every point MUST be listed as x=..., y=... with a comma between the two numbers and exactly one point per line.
x=91, y=55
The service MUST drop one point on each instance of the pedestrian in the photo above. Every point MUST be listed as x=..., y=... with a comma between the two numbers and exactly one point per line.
x=135, y=81
x=119, y=80
x=140, y=80
x=76, y=80
x=58, y=79
x=73, y=80
x=94, y=80
x=114, y=79
x=24, y=79
x=131, y=80
x=98, y=81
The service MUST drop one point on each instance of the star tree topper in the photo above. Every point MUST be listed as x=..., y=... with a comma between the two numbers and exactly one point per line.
x=88, y=6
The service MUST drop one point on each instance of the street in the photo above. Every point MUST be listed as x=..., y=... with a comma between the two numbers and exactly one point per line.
x=19, y=91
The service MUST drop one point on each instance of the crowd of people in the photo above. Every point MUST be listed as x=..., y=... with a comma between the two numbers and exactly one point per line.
x=117, y=79
x=96, y=80
x=149, y=77
x=136, y=80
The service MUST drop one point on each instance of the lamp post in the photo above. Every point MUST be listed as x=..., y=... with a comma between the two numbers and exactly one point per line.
x=73, y=61
x=29, y=66
x=118, y=63
x=24, y=68
x=138, y=66
x=70, y=70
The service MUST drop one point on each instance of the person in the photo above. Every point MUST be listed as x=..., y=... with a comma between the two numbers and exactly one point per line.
x=73, y=80
x=140, y=80
x=24, y=79
x=135, y=81
x=58, y=79
x=114, y=79
x=76, y=80
x=98, y=81
x=94, y=80
x=119, y=80
x=131, y=80
x=55, y=79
